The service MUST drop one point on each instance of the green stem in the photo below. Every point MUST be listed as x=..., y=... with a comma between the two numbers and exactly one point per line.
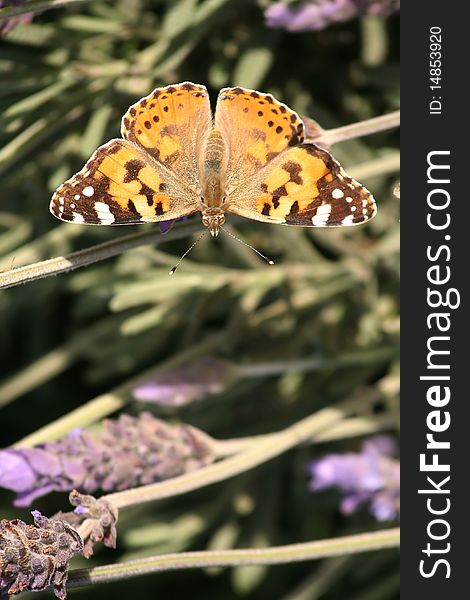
x=351, y=544
x=383, y=165
x=264, y=450
x=82, y=258
x=360, y=129
x=54, y=362
x=103, y=405
x=359, y=357
x=353, y=427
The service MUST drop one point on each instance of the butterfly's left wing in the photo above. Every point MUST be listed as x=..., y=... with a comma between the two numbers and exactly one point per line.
x=123, y=185
x=303, y=185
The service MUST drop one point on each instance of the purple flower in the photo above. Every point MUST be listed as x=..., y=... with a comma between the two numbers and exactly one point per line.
x=7, y=25
x=187, y=383
x=165, y=226
x=128, y=453
x=368, y=476
x=314, y=15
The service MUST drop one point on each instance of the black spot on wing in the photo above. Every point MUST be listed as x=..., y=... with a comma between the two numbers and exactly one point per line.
x=294, y=169
x=133, y=167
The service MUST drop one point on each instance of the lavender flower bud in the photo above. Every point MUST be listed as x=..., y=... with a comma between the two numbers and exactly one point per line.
x=129, y=452
x=94, y=519
x=34, y=557
x=187, y=383
x=8, y=24
x=314, y=15
x=368, y=476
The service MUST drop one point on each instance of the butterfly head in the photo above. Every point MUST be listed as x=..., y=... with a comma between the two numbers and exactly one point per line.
x=213, y=219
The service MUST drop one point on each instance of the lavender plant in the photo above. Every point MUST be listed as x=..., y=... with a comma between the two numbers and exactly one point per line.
x=314, y=15
x=260, y=383
x=371, y=475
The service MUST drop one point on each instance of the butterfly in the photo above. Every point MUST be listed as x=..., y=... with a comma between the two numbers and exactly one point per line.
x=175, y=159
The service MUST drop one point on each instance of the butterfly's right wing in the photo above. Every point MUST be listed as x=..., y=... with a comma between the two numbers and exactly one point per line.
x=172, y=125
x=151, y=175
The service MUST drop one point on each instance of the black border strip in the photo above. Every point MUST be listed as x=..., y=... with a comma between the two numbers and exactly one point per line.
x=425, y=131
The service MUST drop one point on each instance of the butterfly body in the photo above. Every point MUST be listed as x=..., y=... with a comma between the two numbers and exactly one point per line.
x=175, y=159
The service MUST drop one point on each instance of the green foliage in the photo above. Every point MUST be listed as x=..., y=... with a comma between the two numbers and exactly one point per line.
x=66, y=79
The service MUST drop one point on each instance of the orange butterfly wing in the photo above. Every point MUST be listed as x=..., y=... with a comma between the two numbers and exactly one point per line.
x=121, y=185
x=171, y=125
x=152, y=174
x=304, y=186
x=255, y=128
x=272, y=176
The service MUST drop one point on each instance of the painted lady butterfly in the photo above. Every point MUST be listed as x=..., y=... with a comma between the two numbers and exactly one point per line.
x=175, y=159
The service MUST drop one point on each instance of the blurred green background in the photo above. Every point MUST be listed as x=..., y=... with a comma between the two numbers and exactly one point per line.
x=66, y=78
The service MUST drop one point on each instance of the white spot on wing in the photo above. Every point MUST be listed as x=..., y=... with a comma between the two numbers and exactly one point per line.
x=348, y=199
x=88, y=191
x=105, y=215
x=78, y=218
x=76, y=197
x=348, y=220
x=353, y=208
x=337, y=193
x=322, y=215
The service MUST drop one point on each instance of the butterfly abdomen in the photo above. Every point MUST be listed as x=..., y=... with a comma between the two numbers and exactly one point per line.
x=214, y=166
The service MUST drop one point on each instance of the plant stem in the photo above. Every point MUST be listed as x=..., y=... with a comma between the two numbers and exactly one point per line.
x=353, y=427
x=360, y=129
x=88, y=256
x=359, y=357
x=351, y=544
x=105, y=404
x=265, y=449
x=383, y=165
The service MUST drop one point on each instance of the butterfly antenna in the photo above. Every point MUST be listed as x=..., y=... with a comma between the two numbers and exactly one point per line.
x=268, y=260
x=187, y=252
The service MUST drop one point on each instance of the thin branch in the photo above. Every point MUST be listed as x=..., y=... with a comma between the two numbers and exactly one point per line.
x=262, y=451
x=82, y=258
x=52, y=363
x=347, y=428
x=105, y=404
x=360, y=129
x=360, y=357
x=351, y=544
x=383, y=165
